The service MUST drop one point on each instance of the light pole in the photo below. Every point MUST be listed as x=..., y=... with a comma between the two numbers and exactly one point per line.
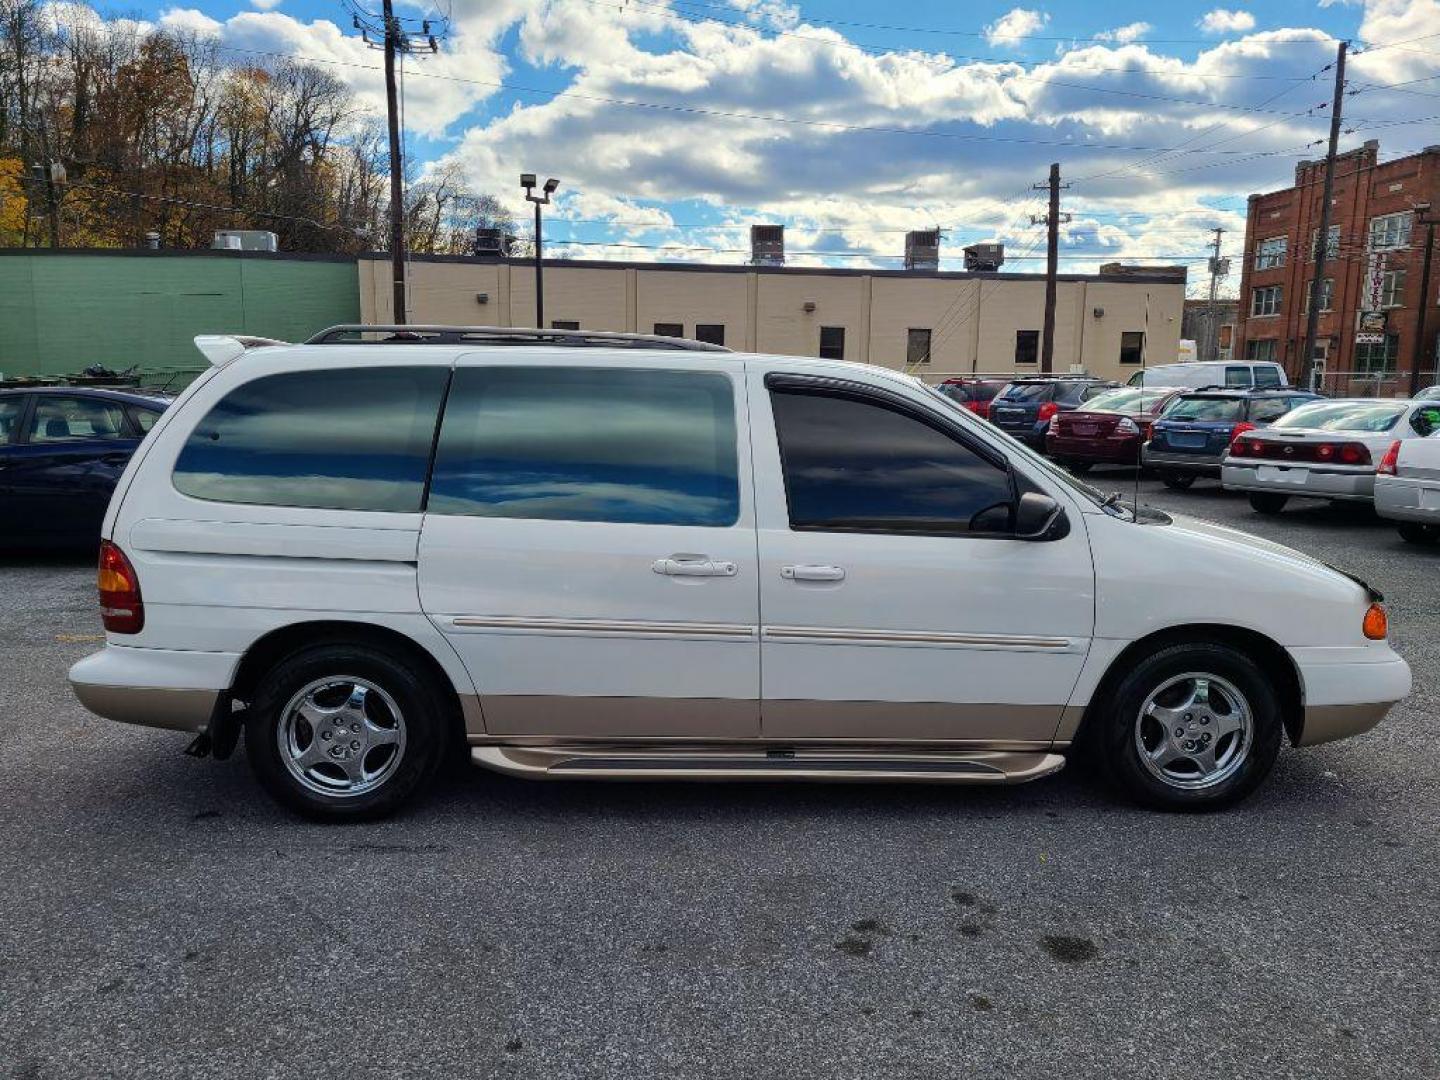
x=1423, y=214
x=527, y=181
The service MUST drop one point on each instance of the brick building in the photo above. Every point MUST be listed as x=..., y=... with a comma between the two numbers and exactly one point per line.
x=1373, y=265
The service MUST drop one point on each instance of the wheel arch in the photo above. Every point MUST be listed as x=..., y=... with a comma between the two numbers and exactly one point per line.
x=1268, y=653
x=268, y=650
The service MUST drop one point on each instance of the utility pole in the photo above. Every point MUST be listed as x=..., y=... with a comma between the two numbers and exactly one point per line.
x=1052, y=220
x=1212, y=331
x=394, y=39
x=1419, y=351
x=397, y=165
x=1322, y=236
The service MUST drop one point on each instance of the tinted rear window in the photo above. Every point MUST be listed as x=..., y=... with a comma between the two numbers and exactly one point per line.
x=339, y=439
x=589, y=444
x=1027, y=392
x=1216, y=409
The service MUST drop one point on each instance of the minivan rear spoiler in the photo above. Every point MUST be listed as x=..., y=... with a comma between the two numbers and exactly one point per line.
x=221, y=349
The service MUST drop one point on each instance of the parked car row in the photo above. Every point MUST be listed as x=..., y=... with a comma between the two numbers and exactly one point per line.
x=1254, y=434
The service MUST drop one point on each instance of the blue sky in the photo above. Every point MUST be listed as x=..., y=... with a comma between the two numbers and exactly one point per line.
x=673, y=124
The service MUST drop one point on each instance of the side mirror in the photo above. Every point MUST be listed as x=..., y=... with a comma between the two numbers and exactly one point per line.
x=1039, y=517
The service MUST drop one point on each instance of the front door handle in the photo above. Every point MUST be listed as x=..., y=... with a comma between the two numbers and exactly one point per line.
x=694, y=566
x=813, y=573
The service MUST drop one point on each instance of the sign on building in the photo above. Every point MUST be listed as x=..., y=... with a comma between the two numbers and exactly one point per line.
x=1370, y=327
x=1373, y=296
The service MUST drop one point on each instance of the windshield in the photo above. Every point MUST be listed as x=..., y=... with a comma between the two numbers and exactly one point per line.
x=1218, y=409
x=1127, y=399
x=1343, y=416
x=1016, y=448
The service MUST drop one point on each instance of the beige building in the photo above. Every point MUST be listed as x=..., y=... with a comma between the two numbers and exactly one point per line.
x=933, y=323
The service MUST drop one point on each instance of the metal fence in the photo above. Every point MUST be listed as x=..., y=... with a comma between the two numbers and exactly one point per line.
x=1367, y=384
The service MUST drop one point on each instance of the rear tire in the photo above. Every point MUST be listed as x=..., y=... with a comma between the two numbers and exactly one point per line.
x=1177, y=481
x=1156, y=735
x=344, y=732
x=1417, y=532
x=1264, y=502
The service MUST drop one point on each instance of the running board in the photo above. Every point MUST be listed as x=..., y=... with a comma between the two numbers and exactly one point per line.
x=711, y=764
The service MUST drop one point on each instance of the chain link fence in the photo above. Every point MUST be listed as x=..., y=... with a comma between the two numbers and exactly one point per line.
x=1369, y=384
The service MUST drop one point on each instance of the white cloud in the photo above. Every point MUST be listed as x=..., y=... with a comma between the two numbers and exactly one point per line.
x=1125, y=34
x=1225, y=21
x=1015, y=26
x=265, y=5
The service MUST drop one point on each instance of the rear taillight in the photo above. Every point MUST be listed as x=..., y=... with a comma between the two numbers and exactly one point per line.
x=1047, y=411
x=1240, y=446
x=1240, y=429
x=1390, y=461
x=1126, y=426
x=1344, y=453
x=121, y=609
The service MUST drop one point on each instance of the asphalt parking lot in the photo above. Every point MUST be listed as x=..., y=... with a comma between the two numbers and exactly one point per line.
x=160, y=917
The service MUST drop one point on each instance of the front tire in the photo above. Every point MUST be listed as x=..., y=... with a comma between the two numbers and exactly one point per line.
x=1264, y=502
x=344, y=732
x=1417, y=532
x=1191, y=727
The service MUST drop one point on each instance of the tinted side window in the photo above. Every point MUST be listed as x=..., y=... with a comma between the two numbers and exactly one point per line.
x=855, y=466
x=1267, y=376
x=589, y=444
x=340, y=439
x=60, y=419
x=1237, y=376
x=144, y=419
x=11, y=407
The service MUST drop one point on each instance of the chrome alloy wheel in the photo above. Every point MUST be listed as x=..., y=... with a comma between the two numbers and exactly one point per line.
x=341, y=736
x=1194, y=731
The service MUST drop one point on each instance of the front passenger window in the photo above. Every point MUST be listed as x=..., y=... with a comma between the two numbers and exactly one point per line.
x=863, y=466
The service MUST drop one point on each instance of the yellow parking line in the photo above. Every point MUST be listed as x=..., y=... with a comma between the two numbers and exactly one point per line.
x=76, y=639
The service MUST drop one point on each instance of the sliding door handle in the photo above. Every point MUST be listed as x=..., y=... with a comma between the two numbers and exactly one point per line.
x=813, y=573
x=694, y=566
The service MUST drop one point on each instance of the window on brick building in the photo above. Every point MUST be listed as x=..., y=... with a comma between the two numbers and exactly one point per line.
x=1266, y=300
x=1327, y=294
x=1378, y=356
x=1270, y=253
x=1332, y=242
x=1262, y=349
x=1391, y=231
x=1392, y=289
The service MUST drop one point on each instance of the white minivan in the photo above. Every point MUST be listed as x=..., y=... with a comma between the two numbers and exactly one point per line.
x=611, y=556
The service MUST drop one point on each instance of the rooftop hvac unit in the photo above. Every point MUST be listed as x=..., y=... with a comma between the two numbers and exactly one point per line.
x=984, y=256
x=245, y=240
x=922, y=249
x=490, y=242
x=767, y=245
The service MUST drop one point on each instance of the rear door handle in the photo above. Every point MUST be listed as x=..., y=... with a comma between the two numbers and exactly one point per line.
x=694, y=566
x=812, y=573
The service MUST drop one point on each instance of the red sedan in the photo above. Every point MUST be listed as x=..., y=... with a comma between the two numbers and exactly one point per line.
x=1109, y=428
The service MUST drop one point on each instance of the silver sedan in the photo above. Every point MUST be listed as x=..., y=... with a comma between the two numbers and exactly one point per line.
x=1325, y=450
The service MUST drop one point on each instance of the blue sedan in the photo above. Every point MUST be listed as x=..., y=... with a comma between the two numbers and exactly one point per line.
x=62, y=449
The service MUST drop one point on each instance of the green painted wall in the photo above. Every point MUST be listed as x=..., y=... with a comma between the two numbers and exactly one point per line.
x=60, y=313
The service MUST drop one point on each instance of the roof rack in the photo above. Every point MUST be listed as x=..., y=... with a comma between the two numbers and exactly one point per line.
x=1052, y=376
x=365, y=334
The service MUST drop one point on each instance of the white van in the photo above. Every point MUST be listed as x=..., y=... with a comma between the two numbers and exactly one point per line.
x=1241, y=374
x=589, y=555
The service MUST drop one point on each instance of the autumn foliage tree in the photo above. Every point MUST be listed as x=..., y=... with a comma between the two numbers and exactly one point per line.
x=157, y=132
